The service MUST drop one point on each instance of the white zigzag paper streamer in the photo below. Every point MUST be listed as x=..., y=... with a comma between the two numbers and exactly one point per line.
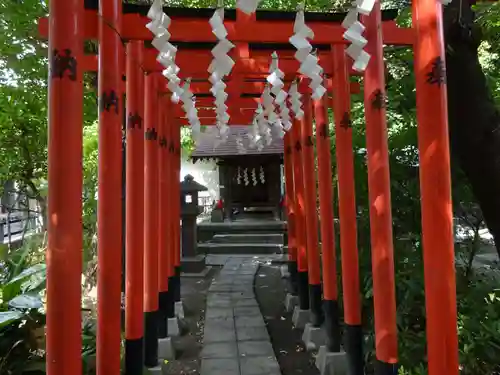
x=309, y=64
x=254, y=135
x=220, y=67
x=189, y=107
x=354, y=31
x=238, y=176
x=262, y=175
x=254, y=177
x=245, y=176
x=247, y=6
x=295, y=102
x=275, y=79
x=264, y=109
x=159, y=25
x=240, y=147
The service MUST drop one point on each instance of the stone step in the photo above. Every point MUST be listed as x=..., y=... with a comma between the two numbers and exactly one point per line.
x=239, y=248
x=254, y=238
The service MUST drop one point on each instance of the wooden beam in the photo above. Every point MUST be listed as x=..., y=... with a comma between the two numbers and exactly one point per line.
x=261, y=31
x=195, y=63
x=202, y=88
x=254, y=88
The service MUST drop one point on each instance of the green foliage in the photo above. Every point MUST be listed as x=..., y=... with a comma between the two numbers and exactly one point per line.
x=21, y=310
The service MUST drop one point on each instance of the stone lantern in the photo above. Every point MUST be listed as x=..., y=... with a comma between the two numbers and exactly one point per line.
x=191, y=261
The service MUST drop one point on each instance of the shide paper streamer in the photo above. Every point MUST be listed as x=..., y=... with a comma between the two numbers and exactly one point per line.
x=220, y=67
x=309, y=65
x=295, y=102
x=189, y=107
x=354, y=31
x=159, y=25
x=275, y=79
x=247, y=6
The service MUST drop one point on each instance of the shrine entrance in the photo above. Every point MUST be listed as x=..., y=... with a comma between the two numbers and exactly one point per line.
x=249, y=181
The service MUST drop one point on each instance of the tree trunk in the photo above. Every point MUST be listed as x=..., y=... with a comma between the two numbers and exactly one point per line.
x=473, y=117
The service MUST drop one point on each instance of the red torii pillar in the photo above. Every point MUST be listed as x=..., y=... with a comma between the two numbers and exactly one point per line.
x=176, y=191
x=64, y=250
x=311, y=216
x=134, y=274
x=435, y=188
x=151, y=302
x=384, y=294
x=163, y=241
x=109, y=209
x=300, y=221
x=172, y=219
x=330, y=292
x=353, y=339
x=290, y=209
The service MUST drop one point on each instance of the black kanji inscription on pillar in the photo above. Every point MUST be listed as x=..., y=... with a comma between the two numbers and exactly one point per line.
x=134, y=120
x=378, y=99
x=289, y=150
x=163, y=142
x=346, y=122
x=171, y=147
x=323, y=131
x=60, y=63
x=437, y=75
x=298, y=146
x=107, y=100
x=309, y=141
x=151, y=134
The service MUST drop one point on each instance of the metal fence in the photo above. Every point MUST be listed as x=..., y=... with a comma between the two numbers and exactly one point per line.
x=13, y=228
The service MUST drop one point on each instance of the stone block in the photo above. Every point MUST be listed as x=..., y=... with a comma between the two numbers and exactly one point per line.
x=249, y=321
x=246, y=302
x=166, y=349
x=284, y=272
x=219, y=313
x=219, y=350
x=300, y=317
x=252, y=333
x=247, y=311
x=179, y=309
x=194, y=264
x=259, y=366
x=219, y=366
x=173, y=327
x=291, y=302
x=241, y=295
x=154, y=370
x=255, y=348
x=220, y=323
x=222, y=288
x=313, y=337
x=329, y=363
x=217, y=334
x=219, y=302
x=244, y=288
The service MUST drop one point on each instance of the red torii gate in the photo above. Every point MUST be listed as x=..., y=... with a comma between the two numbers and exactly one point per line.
x=70, y=24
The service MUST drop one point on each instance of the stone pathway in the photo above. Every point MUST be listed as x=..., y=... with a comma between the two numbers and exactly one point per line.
x=235, y=340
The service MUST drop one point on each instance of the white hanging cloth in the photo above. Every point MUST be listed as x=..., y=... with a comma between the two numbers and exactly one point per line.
x=309, y=64
x=353, y=34
x=220, y=67
x=159, y=25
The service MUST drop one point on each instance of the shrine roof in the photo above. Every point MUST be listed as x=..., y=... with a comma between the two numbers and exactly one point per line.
x=230, y=14
x=208, y=146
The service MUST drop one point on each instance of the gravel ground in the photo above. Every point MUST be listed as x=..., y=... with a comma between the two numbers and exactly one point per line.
x=287, y=341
